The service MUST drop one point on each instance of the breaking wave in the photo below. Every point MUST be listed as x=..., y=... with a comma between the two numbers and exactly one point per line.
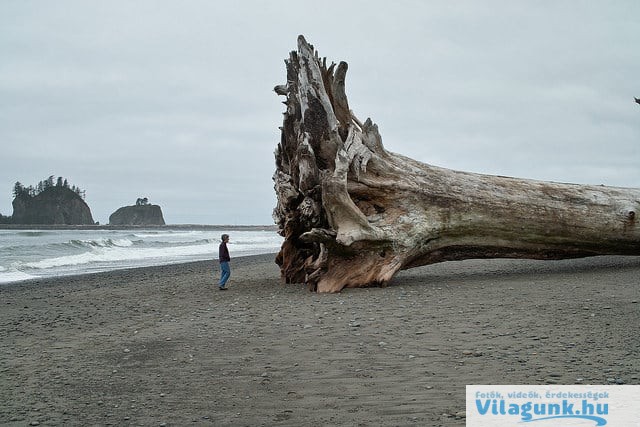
x=32, y=254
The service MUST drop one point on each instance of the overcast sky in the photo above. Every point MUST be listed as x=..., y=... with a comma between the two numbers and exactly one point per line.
x=173, y=100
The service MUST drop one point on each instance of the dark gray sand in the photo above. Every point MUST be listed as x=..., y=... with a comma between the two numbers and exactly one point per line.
x=163, y=346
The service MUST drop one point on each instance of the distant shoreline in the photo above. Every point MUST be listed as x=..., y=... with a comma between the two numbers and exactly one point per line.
x=128, y=227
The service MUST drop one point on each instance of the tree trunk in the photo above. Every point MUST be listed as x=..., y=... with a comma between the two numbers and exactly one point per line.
x=353, y=214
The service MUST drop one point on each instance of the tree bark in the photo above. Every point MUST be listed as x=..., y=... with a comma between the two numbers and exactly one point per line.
x=353, y=214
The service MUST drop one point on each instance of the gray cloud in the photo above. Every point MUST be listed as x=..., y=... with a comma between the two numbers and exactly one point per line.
x=173, y=100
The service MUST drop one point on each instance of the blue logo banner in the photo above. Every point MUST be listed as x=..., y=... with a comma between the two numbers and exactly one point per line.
x=553, y=405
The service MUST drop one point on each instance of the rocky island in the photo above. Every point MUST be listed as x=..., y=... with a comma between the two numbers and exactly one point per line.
x=50, y=203
x=142, y=213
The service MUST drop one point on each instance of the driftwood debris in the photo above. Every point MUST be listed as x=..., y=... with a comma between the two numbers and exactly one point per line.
x=353, y=214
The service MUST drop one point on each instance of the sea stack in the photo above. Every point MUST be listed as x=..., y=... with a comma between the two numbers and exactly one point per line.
x=142, y=213
x=54, y=205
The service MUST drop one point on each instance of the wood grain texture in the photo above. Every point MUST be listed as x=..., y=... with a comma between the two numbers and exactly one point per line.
x=354, y=214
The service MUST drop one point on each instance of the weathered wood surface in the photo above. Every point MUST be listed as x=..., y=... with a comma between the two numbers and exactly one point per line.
x=353, y=214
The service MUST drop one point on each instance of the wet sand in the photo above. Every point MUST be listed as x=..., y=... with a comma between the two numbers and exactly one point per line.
x=163, y=346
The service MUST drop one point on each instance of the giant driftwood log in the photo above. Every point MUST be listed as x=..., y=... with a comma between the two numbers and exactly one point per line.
x=353, y=214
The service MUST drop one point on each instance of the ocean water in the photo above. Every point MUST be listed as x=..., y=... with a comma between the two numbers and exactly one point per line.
x=30, y=254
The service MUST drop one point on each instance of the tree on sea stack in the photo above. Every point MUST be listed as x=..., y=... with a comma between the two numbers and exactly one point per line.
x=353, y=214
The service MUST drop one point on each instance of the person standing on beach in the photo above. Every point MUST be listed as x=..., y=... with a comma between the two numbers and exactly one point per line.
x=224, y=258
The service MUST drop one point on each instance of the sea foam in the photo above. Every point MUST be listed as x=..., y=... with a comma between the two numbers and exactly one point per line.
x=28, y=254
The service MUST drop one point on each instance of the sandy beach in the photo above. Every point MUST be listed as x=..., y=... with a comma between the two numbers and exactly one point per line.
x=163, y=346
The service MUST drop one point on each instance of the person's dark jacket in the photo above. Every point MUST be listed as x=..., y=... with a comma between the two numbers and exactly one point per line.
x=223, y=253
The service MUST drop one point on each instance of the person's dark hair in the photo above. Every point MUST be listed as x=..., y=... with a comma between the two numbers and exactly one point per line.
x=224, y=237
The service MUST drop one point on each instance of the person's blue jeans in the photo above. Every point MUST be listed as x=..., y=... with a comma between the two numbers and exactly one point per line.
x=225, y=273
